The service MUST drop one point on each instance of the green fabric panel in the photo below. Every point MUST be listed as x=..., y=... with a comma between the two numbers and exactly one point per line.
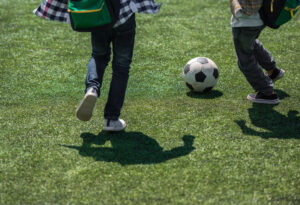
x=89, y=19
x=285, y=15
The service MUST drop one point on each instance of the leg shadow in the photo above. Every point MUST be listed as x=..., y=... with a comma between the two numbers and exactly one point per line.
x=128, y=148
x=278, y=125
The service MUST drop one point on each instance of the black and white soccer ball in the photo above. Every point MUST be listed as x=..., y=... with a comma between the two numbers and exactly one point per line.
x=200, y=74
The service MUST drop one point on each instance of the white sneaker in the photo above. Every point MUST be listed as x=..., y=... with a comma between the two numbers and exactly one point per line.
x=85, y=109
x=114, y=125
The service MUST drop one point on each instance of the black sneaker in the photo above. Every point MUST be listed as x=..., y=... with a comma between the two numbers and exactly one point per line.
x=277, y=74
x=261, y=98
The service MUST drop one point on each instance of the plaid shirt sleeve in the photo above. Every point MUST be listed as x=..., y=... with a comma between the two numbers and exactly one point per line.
x=55, y=10
x=128, y=7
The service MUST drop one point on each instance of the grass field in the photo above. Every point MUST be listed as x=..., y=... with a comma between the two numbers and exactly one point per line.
x=178, y=148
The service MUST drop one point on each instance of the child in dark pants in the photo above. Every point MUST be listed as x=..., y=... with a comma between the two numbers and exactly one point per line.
x=251, y=54
x=121, y=37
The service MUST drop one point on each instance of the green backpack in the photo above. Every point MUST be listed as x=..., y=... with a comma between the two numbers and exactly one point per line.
x=91, y=15
x=274, y=13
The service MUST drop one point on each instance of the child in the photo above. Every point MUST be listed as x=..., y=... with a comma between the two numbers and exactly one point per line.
x=121, y=36
x=251, y=55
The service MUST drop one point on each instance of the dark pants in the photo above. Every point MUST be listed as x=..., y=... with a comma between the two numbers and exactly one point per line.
x=122, y=40
x=252, y=57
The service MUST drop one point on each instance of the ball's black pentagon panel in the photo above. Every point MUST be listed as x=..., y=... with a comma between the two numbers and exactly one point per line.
x=186, y=68
x=200, y=76
x=189, y=86
x=216, y=73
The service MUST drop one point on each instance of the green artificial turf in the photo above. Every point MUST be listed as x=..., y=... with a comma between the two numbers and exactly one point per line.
x=179, y=147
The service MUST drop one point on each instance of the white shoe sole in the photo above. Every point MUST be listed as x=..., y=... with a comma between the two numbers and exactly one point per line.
x=115, y=129
x=273, y=102
x=84, y=111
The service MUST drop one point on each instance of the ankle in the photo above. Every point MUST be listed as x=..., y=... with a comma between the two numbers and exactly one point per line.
x=273, y=71
x=270, y=72
x=269, y=94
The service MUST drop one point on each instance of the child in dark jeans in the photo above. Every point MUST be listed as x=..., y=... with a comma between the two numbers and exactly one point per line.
x=121, y=36
x=252, y=56
x=122, y=39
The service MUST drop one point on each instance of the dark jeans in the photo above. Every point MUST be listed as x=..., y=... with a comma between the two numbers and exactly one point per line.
x=251, y=54
x=122, y=40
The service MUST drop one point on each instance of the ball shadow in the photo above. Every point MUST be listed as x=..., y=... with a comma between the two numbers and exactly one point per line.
x=209, y=95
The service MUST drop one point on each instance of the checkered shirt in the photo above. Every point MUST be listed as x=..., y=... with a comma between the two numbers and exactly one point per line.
x=247, y=7
x=57, y=9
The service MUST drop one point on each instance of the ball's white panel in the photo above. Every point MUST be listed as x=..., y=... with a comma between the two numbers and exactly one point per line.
x=189, y=77
x=195, y=67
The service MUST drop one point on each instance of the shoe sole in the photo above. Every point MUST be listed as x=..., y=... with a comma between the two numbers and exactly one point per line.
x=273, y=102
x=280, y=75
x=84, y=111
x=113, y=129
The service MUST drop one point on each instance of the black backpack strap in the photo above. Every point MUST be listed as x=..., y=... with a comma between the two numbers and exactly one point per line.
x=114, y=9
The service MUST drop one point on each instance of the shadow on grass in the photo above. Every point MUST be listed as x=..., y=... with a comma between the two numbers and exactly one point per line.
x=128, y=148
x=209, y=95
x=278, y=125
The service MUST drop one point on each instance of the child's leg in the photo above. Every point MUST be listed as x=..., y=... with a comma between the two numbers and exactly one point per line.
x=244, y=39
x=100, y=58
x=98, y=62
x=123, y=44
x=263, y=56
x=266, y=61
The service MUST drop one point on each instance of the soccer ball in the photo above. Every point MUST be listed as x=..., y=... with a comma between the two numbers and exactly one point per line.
x=200, y=74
